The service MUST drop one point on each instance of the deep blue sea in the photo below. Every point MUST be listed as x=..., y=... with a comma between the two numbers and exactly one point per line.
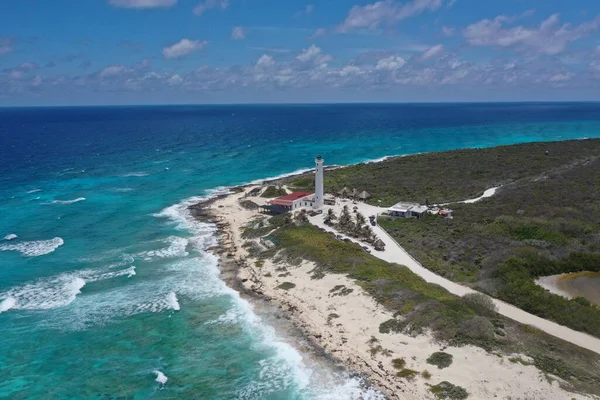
x=106, y=288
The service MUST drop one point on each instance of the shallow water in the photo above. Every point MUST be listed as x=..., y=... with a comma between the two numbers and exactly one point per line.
x=106, y=288
x=580, y=285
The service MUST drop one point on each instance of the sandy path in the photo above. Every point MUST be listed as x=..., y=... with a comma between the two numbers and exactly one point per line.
x=394, y=253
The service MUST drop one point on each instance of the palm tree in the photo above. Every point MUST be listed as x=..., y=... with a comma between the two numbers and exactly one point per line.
x=360, y=219
x=301, y=216
x=367, y=233
x=330, y=217
x=345, y=218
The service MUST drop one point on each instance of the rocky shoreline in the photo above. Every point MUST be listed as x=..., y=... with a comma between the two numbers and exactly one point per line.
x=230, y=267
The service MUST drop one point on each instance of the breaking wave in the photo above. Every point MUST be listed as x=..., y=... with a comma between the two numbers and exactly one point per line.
x=34, y=248
x=55, y=291
x=77, y=200
x=10, y=236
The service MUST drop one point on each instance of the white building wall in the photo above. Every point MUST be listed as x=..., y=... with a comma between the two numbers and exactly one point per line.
x=319, y=190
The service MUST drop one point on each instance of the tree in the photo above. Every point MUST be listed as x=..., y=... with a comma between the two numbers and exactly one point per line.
x=330, y=217
x=366, y=233
x=301, y=216
x=345, y=220
x=360, y=219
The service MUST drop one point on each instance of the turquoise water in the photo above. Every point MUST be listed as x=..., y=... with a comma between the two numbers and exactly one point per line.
x=108, y=291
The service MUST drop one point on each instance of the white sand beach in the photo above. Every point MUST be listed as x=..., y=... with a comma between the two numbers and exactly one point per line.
x=344, y=325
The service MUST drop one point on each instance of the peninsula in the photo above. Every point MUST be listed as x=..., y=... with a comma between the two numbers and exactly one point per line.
x=419, y=272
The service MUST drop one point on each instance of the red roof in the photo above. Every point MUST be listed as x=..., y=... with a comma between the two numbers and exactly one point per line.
x=288, y=199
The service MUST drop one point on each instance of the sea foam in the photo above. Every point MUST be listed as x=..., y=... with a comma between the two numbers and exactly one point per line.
x=160, y=377
x=34, y=248
x=77, y=200
x=55, y=291
x=10, y=236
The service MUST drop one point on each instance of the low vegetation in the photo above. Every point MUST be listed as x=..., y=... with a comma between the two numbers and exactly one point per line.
x=440, y=359
x=287, y=286
x=420, y=306
x=538, y=226
x=446, y=390
x=450, y=176
x=273, y=191
x=399, y=363
x=407, y=374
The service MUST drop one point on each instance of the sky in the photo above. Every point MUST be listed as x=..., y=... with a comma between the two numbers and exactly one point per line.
x=91, y=52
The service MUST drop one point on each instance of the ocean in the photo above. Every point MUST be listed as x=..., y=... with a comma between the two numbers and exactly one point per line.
x=107, y=290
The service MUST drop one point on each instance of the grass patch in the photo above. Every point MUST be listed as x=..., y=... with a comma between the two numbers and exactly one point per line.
x=398, y=363
x=407, y=374
x=440, y=359
x=286, y=286
x=431, y=306
x=272, y=191
x=446, y=390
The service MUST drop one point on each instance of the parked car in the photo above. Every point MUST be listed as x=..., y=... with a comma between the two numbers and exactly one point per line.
x=373, y=222
x=319, y=211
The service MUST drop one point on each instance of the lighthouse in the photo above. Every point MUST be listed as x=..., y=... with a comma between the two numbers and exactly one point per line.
x=319, y=199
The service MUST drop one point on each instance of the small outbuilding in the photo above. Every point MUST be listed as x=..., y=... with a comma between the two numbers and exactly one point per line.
x=407, y=210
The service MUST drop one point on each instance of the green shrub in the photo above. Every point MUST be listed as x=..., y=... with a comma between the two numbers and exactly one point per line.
x=477, y=328
x=399, y=363
x=426, y=374
x=287, y=286
x=480, y=303
x=407, y=374
x=446, y=390
x=441, y=359
x=273, y=191
x=391, y=325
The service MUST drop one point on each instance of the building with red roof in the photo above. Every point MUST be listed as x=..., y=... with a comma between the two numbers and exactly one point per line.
x=293, y=201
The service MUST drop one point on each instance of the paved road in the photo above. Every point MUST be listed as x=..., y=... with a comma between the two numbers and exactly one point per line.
x=394, y=253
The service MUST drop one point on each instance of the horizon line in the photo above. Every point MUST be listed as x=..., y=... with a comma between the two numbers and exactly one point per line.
x=302, y=103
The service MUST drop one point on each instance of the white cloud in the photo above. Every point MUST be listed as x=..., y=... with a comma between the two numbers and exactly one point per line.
x=309, y=53
x=238, y=33
x=113, y=70
x=561, y=77
x=371, y=16
x=549, y=38
x=433, y=52
x=448, y=31
x=5, y=45
x=209, y=5
x=175, y=80
x=183, y=47
x=265, y=62
x=143, y=3
x=309, y=9
x=315, y=54
x=597, y=52
x=390, y=63
x=318, y=33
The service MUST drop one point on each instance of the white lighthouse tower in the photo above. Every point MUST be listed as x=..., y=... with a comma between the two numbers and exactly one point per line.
x=319, y=199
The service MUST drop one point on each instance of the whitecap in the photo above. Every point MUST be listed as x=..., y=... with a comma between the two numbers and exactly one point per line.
x=136, y=174
x=7, y=304
x=160, y=377
x=77, y=200
x=10, y=236
x=123, y=190
x=173, y=302
x=34, y=191
x=177, y=248
x=44, y=294
x=34, y=248
x=55, y=291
